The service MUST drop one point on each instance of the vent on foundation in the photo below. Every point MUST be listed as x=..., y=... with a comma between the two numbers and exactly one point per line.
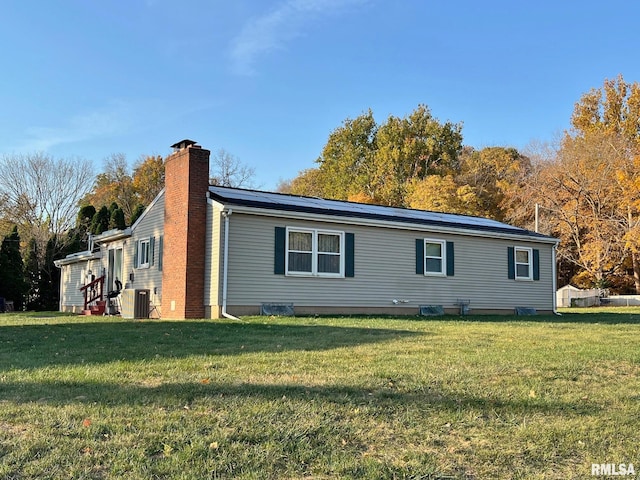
x=431, y=310
x=277, y=309
x=526, y=311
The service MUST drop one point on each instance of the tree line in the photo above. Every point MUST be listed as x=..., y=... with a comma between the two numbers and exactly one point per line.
x=49, y=207
x=586, y=184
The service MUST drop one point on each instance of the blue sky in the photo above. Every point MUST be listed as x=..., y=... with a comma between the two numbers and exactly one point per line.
x=268, y=80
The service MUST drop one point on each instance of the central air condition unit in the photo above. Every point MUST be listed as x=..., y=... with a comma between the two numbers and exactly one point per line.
x=135, y=303
x=141, y=304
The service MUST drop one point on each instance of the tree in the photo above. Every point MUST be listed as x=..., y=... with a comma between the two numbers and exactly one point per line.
x=40, y=194
x=413, y=148
x=13, y=285
x=85, y=216
x=100, y=221
x=229, y=171
x=347, y=159
x=377, y=163
x=137, y=213
x=442, y=194
x=115, y=184
x=614, y=108
x=116, y=219
x=494, y=175
x=148, y=178
x=306, y=183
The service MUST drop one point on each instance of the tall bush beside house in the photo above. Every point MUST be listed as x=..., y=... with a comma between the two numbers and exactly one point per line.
x=13, y=285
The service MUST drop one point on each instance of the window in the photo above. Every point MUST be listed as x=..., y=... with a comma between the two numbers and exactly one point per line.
x=434, y=257
x=144, y=253
x=314, y=252
x=523, y=263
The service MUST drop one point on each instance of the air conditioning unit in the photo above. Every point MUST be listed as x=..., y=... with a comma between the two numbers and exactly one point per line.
x=141, y=304
x=135, y=303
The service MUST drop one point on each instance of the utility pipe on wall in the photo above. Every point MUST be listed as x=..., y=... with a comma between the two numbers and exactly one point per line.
x=225, y=269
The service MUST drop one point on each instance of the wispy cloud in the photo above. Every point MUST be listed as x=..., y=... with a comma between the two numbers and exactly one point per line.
x=110, y=120
x=272, y=31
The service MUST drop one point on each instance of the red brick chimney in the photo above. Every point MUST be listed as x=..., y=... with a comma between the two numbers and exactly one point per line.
x=185, y=218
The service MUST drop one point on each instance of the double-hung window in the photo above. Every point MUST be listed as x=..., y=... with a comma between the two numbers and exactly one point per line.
x=144, y=253
x=523, y=263
x=315, y=252
x=435, y=257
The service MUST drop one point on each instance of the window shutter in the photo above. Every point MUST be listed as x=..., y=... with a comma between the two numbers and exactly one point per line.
x=536, y=264
x=349, y=253
x=135, y=255
x=279, y=251
x=160, y=250
x=152, y=251
x=511, y=262
x=420, y=256
x=450, y=260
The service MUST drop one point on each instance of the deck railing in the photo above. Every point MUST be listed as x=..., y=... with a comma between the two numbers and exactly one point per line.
x=93, y=291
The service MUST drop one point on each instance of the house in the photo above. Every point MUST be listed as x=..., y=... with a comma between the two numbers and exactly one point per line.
x=201, y=251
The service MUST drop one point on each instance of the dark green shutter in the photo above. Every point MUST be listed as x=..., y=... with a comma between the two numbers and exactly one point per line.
x=152, y=251
x=536, y=264
x=511, y=262
x=279, y=251
x=160, y=251
x=450, y=260
x=349, y=253
x=135, y=255
x=420, y=256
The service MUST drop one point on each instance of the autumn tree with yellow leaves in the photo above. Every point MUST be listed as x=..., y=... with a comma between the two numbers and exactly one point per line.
x=591, y=187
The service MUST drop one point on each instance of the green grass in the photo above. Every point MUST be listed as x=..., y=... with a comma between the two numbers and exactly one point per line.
x=479, y=397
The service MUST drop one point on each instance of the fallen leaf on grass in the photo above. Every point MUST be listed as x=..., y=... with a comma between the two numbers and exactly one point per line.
x=86, y=422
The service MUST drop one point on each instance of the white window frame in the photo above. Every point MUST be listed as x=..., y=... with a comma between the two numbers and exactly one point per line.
x=529, y=263
x=141, y=249
x=442, y=257
x=315, y=253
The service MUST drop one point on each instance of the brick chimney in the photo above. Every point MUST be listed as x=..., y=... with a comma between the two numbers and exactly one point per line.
x=185, y=215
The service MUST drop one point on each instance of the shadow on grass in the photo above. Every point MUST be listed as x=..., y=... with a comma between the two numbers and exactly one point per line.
x=179, y=395
x=35, y=346
x=577, y=318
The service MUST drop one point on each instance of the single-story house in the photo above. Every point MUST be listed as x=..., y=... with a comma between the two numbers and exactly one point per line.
x=202, y=251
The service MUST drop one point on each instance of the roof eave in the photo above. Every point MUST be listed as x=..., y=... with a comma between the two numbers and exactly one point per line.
x=112, y=235
x=390, y=222
x=77, y=257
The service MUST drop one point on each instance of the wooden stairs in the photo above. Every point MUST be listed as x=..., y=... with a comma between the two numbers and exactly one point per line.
x=93, y=292
x=97, y=309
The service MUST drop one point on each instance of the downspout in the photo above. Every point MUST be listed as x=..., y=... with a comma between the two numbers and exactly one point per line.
x=225, y=269
x=554, y=282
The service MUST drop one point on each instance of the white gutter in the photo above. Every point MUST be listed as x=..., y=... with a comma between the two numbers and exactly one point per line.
x=225, y=268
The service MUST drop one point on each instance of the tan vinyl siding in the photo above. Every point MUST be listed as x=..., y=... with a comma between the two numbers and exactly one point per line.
x=151, y=226
x=73, y=277
x=385, y=266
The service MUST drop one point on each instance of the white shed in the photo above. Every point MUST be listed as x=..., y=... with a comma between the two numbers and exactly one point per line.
x=580, y=298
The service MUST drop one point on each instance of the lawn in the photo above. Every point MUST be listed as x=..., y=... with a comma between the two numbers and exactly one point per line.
x=477, y=397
